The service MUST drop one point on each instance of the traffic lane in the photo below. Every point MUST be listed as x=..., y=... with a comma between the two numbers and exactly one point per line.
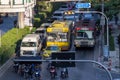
x=116, y=75
x=11, y=75
x=85, y=69
x=88, y=69
x=87, y=73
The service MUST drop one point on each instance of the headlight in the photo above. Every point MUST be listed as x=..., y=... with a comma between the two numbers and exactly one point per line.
x=34, y=52
x=76, y=42
x=21, y=52
x=92, y=43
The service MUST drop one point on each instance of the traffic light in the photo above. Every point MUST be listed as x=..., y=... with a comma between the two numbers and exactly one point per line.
x=118, y=39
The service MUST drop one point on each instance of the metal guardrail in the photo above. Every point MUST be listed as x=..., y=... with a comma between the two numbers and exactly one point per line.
x=86, y=61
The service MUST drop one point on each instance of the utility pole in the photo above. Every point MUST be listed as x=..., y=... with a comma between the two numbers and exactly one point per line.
x=105, y=26
x=103, y=6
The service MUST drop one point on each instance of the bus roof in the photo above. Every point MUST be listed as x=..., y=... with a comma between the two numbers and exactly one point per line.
x=59, y=26
x=59, y=23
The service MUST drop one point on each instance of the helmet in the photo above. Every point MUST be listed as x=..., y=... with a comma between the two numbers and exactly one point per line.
x=52, y=67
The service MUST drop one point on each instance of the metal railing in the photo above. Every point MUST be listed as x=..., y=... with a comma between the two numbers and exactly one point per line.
x=57, y=60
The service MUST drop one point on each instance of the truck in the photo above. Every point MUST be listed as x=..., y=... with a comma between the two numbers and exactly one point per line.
x=85, y=34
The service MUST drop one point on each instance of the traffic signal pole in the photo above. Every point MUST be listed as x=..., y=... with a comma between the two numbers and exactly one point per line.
x=57, y=60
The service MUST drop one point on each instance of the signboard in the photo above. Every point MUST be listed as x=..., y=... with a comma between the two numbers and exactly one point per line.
x=83, y=5
x=63, y=56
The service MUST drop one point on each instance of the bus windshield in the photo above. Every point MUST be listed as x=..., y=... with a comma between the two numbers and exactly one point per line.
x=57, y=37
x=51, y=36
x=86, y=35
x=62, y=36
x=28, y=44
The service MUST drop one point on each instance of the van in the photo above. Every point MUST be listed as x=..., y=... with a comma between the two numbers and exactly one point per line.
x=30, y=45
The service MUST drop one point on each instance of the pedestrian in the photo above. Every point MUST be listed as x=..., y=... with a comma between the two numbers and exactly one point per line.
x=15, y=23
x=6, y=15
x=116, y=19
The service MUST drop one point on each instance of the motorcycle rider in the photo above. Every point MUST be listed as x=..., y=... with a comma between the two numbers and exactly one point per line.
x=16, y=67
x=65, y=72
x=53, y=71
x=38, y=71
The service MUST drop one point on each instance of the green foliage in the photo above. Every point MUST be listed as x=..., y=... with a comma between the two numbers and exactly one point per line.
x=11, y=38
x=111, y=7
x=36, y=22
x=111, y=43
x=33, y=29
x=43, y=14
x=8, y=42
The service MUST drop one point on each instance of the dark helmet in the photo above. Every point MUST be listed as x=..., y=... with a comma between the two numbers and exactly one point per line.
x=52, y=67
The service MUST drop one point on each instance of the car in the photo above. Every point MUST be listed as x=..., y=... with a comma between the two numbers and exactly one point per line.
x=42, y=28
x=49, y=49
x=42, y=31
x=87, y=16
x=64, y=7
x=58, y=15
x=50, y=20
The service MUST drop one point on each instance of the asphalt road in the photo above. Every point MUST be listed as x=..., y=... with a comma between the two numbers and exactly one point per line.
x=82, y=71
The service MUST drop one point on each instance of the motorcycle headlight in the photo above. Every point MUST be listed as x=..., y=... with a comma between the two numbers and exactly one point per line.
x=91, y=43
x=75, y=42
x=36, y=73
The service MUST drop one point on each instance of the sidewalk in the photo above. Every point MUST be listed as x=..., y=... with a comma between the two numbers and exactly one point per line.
x=113, y=62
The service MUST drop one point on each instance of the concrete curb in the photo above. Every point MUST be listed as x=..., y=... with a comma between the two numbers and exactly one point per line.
x=5, y=66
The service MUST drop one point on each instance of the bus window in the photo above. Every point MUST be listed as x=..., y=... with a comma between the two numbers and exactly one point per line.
x=85, y=35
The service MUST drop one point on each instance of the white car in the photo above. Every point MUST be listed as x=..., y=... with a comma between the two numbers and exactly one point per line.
x=58, y=15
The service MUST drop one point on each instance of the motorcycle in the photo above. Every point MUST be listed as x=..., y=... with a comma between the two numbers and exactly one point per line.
x=37, y=75
x=53, y=73
x=16, y=66
x=26, y=74
x=64, y=74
